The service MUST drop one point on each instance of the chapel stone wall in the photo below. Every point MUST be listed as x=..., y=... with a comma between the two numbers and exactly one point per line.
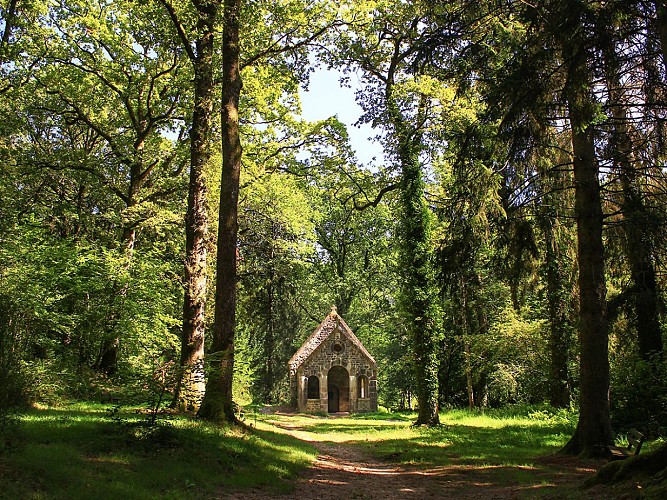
x=337, y=350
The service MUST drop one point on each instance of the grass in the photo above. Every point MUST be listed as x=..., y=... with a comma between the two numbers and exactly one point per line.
x=464, y=438
x=493, y=449
x=81, y=452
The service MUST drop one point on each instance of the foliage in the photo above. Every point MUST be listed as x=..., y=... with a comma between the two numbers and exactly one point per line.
x=639, y=394
x=469, y=99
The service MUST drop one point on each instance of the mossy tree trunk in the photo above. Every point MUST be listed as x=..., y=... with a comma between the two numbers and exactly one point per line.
x=190, y=385
x=218, y=404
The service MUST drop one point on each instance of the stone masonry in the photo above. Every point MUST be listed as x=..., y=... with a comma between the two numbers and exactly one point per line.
x=333, y=372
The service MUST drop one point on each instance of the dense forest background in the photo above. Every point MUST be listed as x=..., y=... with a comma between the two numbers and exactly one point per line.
x=508, y=248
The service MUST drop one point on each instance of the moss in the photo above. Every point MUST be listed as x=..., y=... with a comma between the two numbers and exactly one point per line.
x=633, y=468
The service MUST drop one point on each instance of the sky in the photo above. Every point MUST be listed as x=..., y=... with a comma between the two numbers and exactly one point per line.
x=326, y=97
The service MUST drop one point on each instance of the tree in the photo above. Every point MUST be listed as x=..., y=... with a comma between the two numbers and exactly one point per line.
x=393, y=99
x=218, y=403
x=640, y=221
x=191, y=383
x=95, y=109
x=557, y=38
x=594, y=426
x=275, y=245
x=559, y=269
x=287, y=51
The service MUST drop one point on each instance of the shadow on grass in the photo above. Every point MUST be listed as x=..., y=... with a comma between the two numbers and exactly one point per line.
x=480, y=441
x=470, y=445
x=83, y=454
x=510, y=458
x=473, y=456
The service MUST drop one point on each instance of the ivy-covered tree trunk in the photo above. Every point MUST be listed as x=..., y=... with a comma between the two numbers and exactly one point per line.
x=218, y=404
x=191, y=383
x=418, y=293
x=593, y=433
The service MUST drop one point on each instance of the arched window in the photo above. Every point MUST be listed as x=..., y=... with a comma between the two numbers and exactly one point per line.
x=313, y=388
x=362, y=386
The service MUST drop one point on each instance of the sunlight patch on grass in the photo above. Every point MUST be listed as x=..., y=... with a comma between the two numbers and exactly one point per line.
x=81, y=452
x=466, y=437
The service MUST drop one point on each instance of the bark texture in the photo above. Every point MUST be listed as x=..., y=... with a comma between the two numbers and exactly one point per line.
x=191, y=383
x=218, y=404
x=593, y=433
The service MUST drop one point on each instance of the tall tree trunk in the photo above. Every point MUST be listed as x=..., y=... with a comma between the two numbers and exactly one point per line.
x=191, y=383
x=593, y=432
x=419, y=294
x=218, y=404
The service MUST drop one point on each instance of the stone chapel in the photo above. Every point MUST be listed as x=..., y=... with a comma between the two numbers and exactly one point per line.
x=332, y=371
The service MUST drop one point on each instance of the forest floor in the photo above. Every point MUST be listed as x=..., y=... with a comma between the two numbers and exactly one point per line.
x=83, y=450
x=350, y=471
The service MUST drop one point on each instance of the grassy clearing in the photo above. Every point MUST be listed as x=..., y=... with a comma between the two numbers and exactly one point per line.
x=81, y=452
x=510, y=437
x=503, y=449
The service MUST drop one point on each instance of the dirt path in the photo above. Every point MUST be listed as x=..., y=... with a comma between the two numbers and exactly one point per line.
x=343, y=471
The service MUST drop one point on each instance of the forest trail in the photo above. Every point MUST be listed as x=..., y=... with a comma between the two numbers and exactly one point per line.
x=344, y=471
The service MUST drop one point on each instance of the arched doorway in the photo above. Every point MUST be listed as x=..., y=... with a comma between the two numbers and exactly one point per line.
x=338, y=387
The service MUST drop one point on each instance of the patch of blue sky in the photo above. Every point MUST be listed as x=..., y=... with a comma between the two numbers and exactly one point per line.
x=327, y=97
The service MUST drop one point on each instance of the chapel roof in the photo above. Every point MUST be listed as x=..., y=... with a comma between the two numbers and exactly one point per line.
x=332, y=322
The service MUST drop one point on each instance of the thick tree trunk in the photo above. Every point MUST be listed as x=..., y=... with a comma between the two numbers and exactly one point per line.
x=191, y=384
x=593, y=432
x=218, y=404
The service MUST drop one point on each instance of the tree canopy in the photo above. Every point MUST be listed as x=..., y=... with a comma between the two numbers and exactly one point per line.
x=171, y=224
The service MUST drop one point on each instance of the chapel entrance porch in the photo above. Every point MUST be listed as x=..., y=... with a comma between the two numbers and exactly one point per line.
x=338, y=389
